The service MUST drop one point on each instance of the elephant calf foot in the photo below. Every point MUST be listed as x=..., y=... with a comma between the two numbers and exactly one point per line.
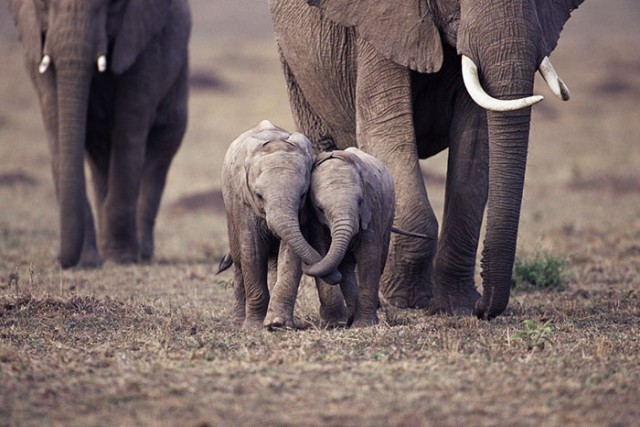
x=333, y=317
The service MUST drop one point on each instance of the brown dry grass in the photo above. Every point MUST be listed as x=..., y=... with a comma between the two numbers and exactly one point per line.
x=153, y=344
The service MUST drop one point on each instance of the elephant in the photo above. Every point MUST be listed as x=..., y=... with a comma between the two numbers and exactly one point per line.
x=352, y=207
x=111, y=77
x=265, y=180
x=404, y=81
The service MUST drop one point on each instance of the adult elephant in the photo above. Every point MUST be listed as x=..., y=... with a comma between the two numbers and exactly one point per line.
x=111, y=76
x=387, y=77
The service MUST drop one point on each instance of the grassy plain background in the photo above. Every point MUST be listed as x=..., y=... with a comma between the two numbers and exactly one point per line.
x=153, y=345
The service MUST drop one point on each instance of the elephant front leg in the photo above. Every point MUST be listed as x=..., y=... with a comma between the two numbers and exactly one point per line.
x=119, y=242
x=385, y=130
x=162, y=144
x=465, y=199
x=285, y=290
x=254, y=254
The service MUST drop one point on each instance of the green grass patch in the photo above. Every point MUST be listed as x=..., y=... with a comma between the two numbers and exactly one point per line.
x=539, y=272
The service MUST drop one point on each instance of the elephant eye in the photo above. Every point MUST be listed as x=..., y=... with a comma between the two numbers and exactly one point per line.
x=259, y=196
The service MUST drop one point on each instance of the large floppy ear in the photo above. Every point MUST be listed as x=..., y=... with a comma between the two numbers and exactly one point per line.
x=402, y=31
x=552, y=15
x=31, y=24
x=141, y=21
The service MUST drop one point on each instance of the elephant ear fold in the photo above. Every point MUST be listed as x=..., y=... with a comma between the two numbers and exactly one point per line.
x=29, y=22
x=552, y=15
x=142, y=20
x=402, y=31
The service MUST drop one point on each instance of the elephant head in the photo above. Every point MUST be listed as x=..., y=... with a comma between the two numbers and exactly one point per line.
x=502, y=43
x=277, y=171
x=347, y=190
x=66, y=43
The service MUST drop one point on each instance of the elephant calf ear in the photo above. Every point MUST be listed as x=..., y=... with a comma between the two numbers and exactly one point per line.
x=142, y=20
x=402, y=31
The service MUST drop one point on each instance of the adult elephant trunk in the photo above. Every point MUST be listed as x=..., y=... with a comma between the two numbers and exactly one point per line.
x=72, y=59
x=507, y=78
x=342, y=232
x=286, y=225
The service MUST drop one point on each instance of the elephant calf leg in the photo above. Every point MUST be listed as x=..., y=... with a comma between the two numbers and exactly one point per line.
x=333, y=309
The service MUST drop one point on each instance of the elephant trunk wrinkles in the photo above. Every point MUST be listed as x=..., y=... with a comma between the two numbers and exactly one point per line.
x=508, y=145
x=341, y=234
x=73, y=77
x=287, y=228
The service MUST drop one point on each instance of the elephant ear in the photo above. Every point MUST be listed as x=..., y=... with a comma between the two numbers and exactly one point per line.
x=31, y=26
x=402, y=31
x=552, y=15
x=141, y=21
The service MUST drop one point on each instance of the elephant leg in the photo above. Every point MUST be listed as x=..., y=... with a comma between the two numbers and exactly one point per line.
x=285, y=290
x=90, y=257
x=369, y=273
x=385, y=130
x=162, y=144
x=333, y=308
x=465, y=199
x=305, y=118
x=254, y=258
x=239, y=295
x=119, y=242
x=349, y=287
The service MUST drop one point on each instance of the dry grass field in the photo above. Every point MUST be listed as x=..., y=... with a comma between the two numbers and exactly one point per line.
x=154, y=345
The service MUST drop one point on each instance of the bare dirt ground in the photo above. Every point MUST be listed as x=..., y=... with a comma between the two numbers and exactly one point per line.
x=154, y=345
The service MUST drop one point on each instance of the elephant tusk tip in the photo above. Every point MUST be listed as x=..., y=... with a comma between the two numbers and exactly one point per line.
x=44, y=64
x=102, y=63
x=565, y=94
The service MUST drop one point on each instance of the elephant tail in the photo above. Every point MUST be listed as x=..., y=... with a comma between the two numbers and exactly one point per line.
x=225, y=263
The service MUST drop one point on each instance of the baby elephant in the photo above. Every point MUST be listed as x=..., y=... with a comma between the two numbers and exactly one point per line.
x=265, y=180
x=352, y=209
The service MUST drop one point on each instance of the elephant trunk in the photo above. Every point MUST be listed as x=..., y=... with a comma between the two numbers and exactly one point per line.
x=72, y=59
x=508, y=138
x=287, y=227
x=342, y=232
x=512, y=78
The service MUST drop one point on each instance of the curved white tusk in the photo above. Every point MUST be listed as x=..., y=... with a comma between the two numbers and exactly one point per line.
x=555, y=83
x=486, y=101
x=102, y=63
x=44, y=64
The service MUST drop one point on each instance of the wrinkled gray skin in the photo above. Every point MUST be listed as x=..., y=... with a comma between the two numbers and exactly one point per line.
x=352, y=202
x=129, y=118
x=385, y=76
x=265, y=180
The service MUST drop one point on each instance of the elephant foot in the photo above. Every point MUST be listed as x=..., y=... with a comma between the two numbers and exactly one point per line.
x=405, y=291
x=333, y=316
x=128, y=255
x=460, y=301
x=90, y=259
x=275, y=320
x=365, y=322
x=252, y=324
